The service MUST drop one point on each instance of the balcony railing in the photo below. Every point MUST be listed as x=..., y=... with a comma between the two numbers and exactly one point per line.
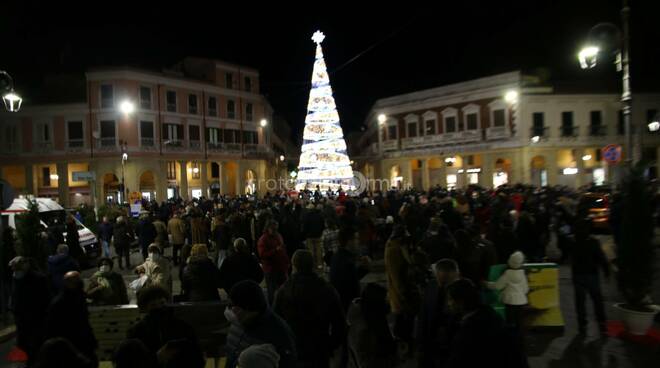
x=43, y=147
x=174, y=145
x=597, y=130
x=471, y=135
x=496, y=132
x=390, y=145
x=568, y=131
x=75, y=145
x=148, y=144
x=540, y=132
x=10, y=147
x=235, y=147
x=195, y=145
x=106, y=144
x=214, y=147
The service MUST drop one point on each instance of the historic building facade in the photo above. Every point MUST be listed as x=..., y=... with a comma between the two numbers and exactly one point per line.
x=199, y=130
x=505, y=128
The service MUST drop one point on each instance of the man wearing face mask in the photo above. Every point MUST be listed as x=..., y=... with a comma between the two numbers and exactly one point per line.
x=107, y=287
x=159, y=325
x=68, y=316
x=156, y=268
x=29, y=302
x=253, y=323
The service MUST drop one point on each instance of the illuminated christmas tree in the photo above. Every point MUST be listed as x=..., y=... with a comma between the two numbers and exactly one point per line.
x=323, y=159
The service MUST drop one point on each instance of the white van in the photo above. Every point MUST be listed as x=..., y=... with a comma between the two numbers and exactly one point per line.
x=49, y=211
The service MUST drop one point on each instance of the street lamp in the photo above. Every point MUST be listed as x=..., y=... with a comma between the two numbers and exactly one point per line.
x=536, y=139
x=654, y=124
x=511, y=96
x=124, y=158
x=281, y=157
x=127, y=107
x=263, y=122
x=588, y=57
x=10, y=98
x=586, y=157
x=382, y=118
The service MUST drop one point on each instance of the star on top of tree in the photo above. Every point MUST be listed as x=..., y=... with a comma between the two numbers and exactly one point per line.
x=318, y=37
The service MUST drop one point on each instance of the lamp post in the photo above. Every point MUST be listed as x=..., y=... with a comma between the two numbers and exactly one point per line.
x=10, y=98
x=588, y=58
x=124, y=158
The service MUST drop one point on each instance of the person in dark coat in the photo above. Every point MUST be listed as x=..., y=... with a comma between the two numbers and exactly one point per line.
x=438, y=243
x=587, y=259
x=59, y=265
x=201, y=279
x=273, y=257
x=59, y=352
x=146, y=233
x=253, y=323
x=159, y=325
x=240, y=265
x=480, y=339
x=311, y=306
x=29, y=303
x=68, y=317
x=434, y=323
x=122, y=241
x=345, y=272
x=73, y=239
x=105, y=235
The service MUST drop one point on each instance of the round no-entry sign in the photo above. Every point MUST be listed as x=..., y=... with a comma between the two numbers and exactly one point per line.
x=612, y=153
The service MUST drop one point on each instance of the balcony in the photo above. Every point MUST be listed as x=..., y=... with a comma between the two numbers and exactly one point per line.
x=174, y=145
x=232, y=147
x=214, y=147
x=568, y=131
x=10, y=147
x=390, y=145
x=597, y=130
x=540, y=132
x=497, y=132
x=75, y=145
x=43, y=147
x=472, y=135
x=108, y=144
x=453, y=137
x=195, y=146
x=148, y=144
x=426, y=140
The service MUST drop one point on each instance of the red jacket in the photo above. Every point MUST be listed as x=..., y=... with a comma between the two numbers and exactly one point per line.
x=272, y=258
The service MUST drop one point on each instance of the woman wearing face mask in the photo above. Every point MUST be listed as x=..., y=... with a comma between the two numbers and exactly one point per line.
x=157, y=269
x=106, y=287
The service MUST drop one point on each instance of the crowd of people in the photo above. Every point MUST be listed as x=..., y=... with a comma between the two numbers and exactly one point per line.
x=291, y=268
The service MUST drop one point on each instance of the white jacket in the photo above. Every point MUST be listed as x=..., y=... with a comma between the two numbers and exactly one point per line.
x=513, y=282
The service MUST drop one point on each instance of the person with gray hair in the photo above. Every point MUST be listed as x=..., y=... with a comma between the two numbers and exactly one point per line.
x=59, y=264
x=434, y=319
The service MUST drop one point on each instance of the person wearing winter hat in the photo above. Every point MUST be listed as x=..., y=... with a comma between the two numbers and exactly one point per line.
x=253, y=323
x=514, y=288
x=259, y=356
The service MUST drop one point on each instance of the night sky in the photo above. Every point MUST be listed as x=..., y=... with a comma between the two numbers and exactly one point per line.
x=399, y=48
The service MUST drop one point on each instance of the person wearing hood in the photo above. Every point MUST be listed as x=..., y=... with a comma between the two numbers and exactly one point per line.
x=252, y=322
x=514, y=288
x=107, y=287
x=156, y=268
x=68, y=317
x=201, y=278
x=59, y=264
x=29, y=302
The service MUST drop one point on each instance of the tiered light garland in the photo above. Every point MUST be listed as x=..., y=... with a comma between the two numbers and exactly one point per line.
x=323, y=158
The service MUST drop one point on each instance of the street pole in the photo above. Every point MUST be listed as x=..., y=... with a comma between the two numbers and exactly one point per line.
x=632, y=150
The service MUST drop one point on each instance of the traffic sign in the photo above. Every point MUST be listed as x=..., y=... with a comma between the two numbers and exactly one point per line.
x=83, y=176
x=612, y=153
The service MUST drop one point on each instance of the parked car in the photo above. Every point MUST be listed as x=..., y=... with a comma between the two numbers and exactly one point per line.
x=597, y=206
x=49, y=211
